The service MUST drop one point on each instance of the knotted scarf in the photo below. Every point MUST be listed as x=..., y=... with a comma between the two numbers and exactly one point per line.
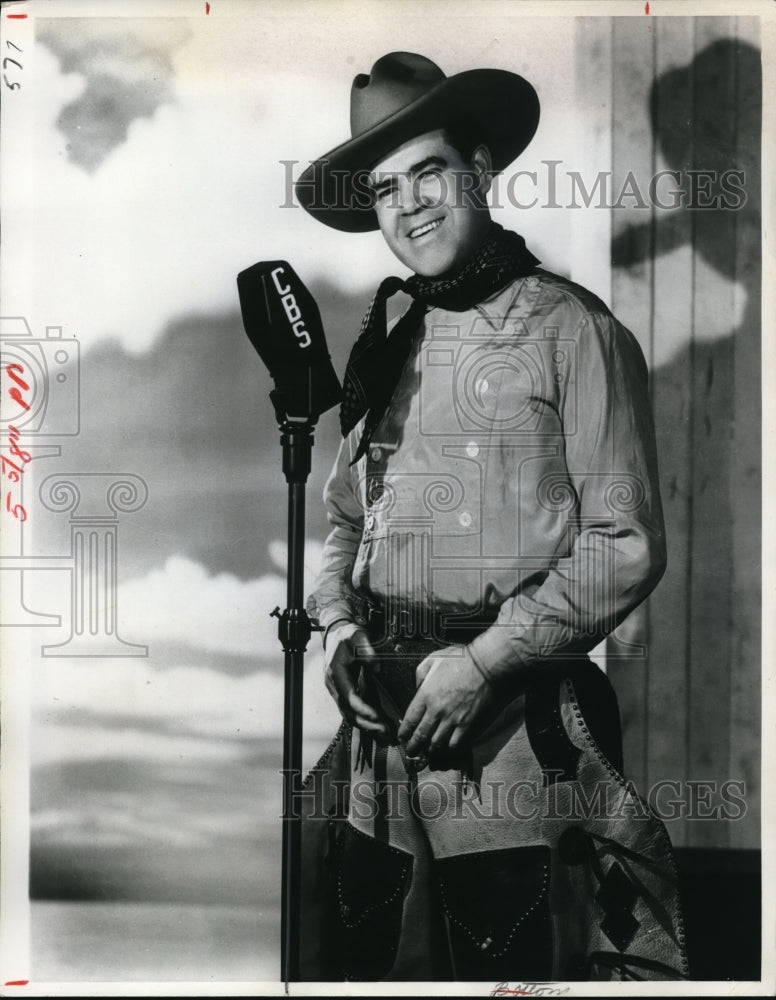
x=377, y=360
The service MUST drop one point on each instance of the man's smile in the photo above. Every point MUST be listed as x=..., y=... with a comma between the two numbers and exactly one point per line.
x=427, y=227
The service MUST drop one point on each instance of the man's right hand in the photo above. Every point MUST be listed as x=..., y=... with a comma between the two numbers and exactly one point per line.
x=347, y=647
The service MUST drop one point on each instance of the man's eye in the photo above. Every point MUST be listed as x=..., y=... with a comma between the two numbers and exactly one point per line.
x=384, y=194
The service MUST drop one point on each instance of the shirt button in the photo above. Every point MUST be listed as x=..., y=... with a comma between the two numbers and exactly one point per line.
x=370, y=522
x=472, y=449
x=532, y=282
x=376, y=454
x=465, y=518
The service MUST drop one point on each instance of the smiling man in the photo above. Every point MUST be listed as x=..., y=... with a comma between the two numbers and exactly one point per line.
x=494, y=513
x=430, y=218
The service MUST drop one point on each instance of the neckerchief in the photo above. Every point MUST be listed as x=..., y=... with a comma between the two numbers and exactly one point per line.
x=377, y=360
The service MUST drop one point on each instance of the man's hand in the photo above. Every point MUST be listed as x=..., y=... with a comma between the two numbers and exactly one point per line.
x=452, y=697
x=347, y=647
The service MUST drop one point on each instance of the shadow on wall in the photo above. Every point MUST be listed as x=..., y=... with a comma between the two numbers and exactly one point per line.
x=706, y=117
x=723, y=136
x=705, y=615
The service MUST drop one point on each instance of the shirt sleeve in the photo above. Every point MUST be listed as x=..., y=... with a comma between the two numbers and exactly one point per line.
x=333, y=597
x=617, y=553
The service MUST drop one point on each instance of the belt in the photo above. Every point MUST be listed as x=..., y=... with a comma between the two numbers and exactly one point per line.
x=420, y=623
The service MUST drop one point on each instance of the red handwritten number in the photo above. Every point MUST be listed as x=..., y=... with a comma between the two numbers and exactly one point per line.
x=16, y=451
x=16, y=396
x=12, y=369
x=17, y=510
x=14, y=393
x=15, y=371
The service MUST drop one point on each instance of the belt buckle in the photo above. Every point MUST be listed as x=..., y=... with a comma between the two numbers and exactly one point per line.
x=416, y=764
x=396, y=622
x=401, y=624
x=375, y=618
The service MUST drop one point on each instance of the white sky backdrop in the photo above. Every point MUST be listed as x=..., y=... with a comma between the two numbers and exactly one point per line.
x=165, y=221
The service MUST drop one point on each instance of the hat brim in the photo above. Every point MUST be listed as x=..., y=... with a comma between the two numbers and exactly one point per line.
x=502, y=107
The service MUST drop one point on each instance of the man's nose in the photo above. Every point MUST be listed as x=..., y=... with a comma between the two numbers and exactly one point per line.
x=406, y=194
x=413, y=195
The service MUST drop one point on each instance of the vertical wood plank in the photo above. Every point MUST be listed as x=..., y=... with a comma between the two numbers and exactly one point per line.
x=745, y=470
x=670, y=381
x=711, y=553
x=687, y=282
x=591, y=230
x=632, y=157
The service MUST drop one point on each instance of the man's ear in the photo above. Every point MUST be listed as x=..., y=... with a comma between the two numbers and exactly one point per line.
x=483, y=164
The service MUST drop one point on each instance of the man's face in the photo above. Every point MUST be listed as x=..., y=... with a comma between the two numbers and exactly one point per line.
x=425, y=205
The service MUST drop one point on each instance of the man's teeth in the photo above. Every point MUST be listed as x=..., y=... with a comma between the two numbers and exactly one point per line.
x=422, y=230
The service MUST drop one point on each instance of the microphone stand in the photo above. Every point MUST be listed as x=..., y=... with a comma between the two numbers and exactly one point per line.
x=283, y=323
x=294, y=630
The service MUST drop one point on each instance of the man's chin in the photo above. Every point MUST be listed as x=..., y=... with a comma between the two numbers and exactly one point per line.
x=431, y=266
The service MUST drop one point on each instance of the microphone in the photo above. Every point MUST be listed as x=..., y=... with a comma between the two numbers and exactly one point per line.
x=283, y=323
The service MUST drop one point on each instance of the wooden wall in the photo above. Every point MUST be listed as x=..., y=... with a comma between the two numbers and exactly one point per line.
x=685, y=94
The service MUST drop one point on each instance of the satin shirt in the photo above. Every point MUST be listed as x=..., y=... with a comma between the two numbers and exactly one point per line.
x=513, y=475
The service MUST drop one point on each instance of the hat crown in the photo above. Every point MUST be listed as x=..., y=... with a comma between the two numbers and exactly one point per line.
x=396, y=81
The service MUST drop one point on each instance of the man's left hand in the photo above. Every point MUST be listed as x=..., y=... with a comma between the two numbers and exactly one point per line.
x=452, y=697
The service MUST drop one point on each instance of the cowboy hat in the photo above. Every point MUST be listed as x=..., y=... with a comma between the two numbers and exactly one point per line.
x=404, y=96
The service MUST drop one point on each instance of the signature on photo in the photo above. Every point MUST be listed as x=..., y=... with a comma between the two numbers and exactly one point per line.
x=527, y=990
